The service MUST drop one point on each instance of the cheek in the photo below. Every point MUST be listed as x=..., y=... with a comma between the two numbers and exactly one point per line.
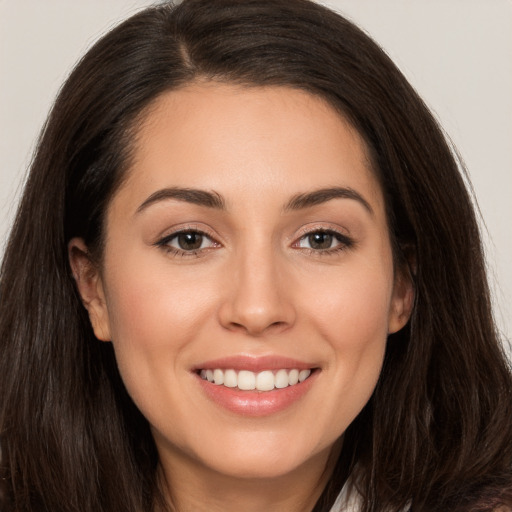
x=154, y=317
x=352, y=307
x=149, y=304
x=351, y=314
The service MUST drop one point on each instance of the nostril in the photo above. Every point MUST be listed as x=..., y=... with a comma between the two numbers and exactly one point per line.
x=277, y=325
x=255, y=329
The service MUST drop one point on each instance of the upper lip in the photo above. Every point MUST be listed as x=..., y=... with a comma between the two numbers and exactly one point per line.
x=254, y=363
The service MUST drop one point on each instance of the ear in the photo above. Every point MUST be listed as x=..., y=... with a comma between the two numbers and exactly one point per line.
x=90, y=286
x=402, y=301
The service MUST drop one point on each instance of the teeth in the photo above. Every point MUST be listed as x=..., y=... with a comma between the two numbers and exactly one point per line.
x=281, y=379
x=293, y=377
x=218, y=377
x=265, y=381
x=304, y=374
x=245, y=380
x=230, y=379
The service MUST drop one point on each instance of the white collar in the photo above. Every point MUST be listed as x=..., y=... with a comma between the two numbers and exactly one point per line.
x=346, y=502
x=350, y=502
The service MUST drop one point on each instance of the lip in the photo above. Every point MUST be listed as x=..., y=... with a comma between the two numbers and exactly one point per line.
x=256, y=403
x=254, y=364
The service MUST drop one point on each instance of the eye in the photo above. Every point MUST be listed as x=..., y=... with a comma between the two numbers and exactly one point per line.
x=319, y=241
x=187, y=241
x=324, y=241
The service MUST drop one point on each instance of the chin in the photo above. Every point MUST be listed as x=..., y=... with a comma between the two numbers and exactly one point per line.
x=257, y=468
x=263, y=460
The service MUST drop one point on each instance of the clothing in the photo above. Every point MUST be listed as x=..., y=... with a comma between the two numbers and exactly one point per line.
x=347, y=503
x=350, y=502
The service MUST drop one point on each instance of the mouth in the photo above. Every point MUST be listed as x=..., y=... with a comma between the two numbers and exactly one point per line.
x=256, y=386
x=246, y=380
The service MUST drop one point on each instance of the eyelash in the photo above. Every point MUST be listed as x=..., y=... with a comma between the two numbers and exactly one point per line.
x=344, y=241
x=173, y=251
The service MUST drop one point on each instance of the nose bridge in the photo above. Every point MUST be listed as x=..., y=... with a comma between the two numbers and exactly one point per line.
x=256, y=300
x=258, y=276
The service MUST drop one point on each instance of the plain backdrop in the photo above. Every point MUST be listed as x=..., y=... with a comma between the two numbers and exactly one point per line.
x=456, y=53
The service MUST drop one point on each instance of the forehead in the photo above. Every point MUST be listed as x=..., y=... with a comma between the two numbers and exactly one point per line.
x=235, y=139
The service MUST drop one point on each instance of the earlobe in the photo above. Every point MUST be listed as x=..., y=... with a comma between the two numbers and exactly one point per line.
x=90, y=287
x=402, y=302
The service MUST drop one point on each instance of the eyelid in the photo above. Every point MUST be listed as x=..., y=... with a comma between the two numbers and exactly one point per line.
x=186, y=228
x=163, y=240
x=346, y=240
x=314, y=227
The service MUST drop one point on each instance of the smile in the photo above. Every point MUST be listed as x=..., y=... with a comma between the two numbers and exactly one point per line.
x=256, y=386
x=246, y=380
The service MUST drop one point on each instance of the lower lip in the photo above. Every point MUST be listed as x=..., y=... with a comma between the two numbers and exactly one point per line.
x=256, y=403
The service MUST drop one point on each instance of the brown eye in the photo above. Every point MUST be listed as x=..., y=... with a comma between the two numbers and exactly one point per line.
x=324, y=242
x=184, y=242
x=190, y=241
x=320, y=240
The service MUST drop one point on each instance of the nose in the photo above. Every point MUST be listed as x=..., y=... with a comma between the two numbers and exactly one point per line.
x=256, y=297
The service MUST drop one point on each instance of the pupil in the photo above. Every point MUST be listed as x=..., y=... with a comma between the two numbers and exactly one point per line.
x=190, y=241
x=320, y=240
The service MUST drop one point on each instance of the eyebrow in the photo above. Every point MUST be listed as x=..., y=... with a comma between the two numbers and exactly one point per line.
x=309, y=199
x=211, y=199
x=187, y=195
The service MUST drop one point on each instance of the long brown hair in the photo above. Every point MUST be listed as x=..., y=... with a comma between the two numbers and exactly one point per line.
x=437, y=432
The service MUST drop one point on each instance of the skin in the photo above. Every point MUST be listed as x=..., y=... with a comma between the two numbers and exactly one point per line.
x=255, y=287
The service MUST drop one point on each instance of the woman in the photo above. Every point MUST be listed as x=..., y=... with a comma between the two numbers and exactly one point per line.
x=238, y=278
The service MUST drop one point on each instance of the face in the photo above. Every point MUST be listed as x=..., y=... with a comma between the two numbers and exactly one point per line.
x=247, y=283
